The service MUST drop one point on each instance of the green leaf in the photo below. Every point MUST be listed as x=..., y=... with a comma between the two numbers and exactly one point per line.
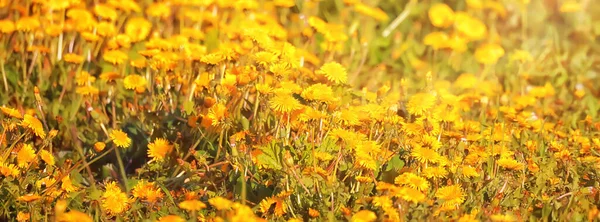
x=395, y=164
x=188, y=107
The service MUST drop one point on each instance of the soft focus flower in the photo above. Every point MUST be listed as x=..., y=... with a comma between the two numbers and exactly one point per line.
x=120, y=138
x=441, y=15
x=159, y=149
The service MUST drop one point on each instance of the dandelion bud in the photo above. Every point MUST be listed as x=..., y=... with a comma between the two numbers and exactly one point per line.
x=99, y=146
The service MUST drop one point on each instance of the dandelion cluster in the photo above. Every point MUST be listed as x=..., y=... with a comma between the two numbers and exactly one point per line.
x=474, y=110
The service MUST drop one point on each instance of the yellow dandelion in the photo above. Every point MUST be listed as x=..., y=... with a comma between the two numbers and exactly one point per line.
x=159, y=149
x=115, y=57
x=7, y=26
x=171, y=218
x=437, y=40
x=220, y=203
x=138, y=29
x=451, y=196
x=441, y=15
x=27, y=24
x=313, y=213
x=420, y=103
x=217, y=114
x=425, y=155
x=9, y=170
x=435, y=172
x=47, y=157
x=469, y=171
x=136, y=82
x=334, y=72
x=413, y=181
x=511, y=164
x=364, y=216
x=25, y=155
x=192, y=205
x=120, y=138
x=14, y=113
x=285, y=103
x=114, y=201
x=34, y=124
x=489, y=53
x=73, y=216
x=470, y=27
x=372, y=12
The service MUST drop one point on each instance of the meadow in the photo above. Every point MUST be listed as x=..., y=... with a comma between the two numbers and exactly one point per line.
x=299, y=110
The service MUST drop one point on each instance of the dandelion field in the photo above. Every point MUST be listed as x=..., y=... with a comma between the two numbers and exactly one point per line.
x=331, y=110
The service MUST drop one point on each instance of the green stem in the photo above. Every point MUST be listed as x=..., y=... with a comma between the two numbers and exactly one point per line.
x=122, y=169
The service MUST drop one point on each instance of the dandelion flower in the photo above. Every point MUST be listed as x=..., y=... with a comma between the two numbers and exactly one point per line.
x=29, y=197
x=412, y=180
x=159, y=149
x=25, y=155
x=74, y=215
x=420, y=103
x=489, y=53
x=313, y=213
x=136, y=82
x=28, y=24
x=372, y=12
x=137, y=29
x=47, y=157
x=364, y=216
x=192, y=205
x=114, y=201
x=451, y=195
x=120, y=138
x=9, y=170
x=115, y=57
x=171, y=218
x=441, y=15
x=334, y=72
x=437, y=40
x=511, y=164
x=34, y=125
x=7, y=26
x=220, y=203
x=470, y=27
x=14, y=113
x=285, y=103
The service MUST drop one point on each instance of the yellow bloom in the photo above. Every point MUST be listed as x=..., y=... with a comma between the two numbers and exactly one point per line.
x=147, y=191
x=73, y=58
x=9, y=170
x=334, y=72
x=217, y=114
x=364, y=216
x=105, y=11
x=420, y=103
x=511, y=164
x=7, y=26
x=159, y=10
x=21, y=216
x=47, y=157
x=171, y=218
x=159, y=149
x=136, y=82
x=11, y=112
x=73, y=216
x=375, y=13
x=114, y=201
x=452, y=196
x=87, y=90
x=318, y=92
x=120, y=138
x=27, y=24
x=220, y=203
x=470, y=27
x=437, y=40
x=285, y=103
x=313, y=213
x=25, y=155
x=99, y=146
x=115, y=57
x=441, y=15
x=570, y=6
x=489, y=53
x=34, y=125
x=138, y=29
x=192, y=205
x=412, y=180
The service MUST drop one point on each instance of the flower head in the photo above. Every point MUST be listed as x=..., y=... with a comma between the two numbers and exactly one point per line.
x=334, y=72
x=159, y=149
x=34, y=124
x=120, y=138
